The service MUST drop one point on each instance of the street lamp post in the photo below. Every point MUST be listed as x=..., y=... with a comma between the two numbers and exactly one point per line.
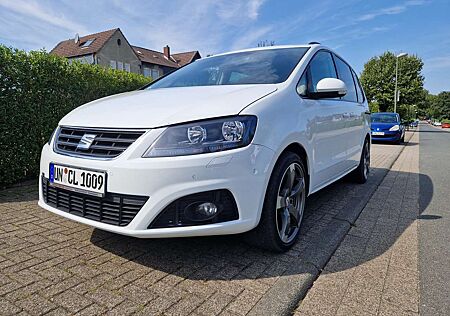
x=396, y=77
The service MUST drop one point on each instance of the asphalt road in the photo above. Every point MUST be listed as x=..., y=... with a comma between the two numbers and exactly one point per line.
x=434, y=224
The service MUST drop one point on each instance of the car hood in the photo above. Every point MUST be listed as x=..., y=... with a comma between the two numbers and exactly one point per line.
x=166, y=106
x=382, y=126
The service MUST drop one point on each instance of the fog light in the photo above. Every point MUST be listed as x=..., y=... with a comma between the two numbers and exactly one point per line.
x=201, y=211
x=207, y=209
x=201, y=208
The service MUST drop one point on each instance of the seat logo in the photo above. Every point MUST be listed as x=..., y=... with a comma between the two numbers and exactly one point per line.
x=86, y=141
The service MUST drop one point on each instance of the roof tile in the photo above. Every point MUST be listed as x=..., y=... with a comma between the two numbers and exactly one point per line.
x=69, y=48
x=154, y=57
x=185, y=58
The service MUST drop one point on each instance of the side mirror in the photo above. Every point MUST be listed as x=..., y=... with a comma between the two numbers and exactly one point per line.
x=329, y=88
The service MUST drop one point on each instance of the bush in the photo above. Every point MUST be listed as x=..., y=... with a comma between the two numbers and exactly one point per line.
x=36, y=90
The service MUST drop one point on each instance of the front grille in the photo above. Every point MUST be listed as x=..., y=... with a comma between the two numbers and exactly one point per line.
x=115, y=209
x=106, y=144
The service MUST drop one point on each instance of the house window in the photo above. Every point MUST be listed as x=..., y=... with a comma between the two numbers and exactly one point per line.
x=155, y=73
x=147, y=72
x=120, y=65
x=112, y=64
x=127, y=67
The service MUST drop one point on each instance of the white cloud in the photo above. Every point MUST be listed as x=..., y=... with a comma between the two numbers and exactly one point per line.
x=237, y=10
x=435, y=63
x=391, y=10
x=32, y=9
x=210, y=26
x=385, y=11
x=251, y=38
x=253, y=8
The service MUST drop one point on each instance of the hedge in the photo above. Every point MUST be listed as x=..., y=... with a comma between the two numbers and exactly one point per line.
x=36, y=90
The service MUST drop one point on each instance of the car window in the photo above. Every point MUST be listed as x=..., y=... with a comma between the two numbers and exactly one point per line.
x=321, y=66
x=359, y=92
x=254, y=67
x=345, y=74
x=385, y=118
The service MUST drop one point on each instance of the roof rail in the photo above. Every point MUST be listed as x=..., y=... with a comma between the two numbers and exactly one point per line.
x=312, y=43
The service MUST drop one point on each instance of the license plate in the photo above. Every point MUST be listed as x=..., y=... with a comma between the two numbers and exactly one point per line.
x=377, y=133
x=76, y=179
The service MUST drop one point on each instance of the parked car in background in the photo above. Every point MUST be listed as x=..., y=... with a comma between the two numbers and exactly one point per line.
x=446, y=125
x=387, y=126
x=228, y=144
x=414, y=123
x=436, y=123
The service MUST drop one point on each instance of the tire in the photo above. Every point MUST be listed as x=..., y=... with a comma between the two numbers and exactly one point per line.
x=281, y=216
x=361, y=173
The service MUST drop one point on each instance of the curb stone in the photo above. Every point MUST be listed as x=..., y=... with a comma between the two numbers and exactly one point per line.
x=282, y=298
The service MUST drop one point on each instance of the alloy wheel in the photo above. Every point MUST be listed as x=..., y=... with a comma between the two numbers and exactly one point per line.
x=290, y=202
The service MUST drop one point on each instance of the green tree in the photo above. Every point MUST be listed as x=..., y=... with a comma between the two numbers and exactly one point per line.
x=440, y=105
x=378, y=80
x=423, y=107
x=435, y=106
x=374, y=107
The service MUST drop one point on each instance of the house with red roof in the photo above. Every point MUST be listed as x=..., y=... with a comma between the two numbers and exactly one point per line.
x=112, y=49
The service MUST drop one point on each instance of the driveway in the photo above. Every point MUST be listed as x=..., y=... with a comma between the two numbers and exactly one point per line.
x=50, y=265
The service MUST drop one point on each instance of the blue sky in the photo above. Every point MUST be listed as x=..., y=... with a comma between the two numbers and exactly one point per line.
x=356, y=29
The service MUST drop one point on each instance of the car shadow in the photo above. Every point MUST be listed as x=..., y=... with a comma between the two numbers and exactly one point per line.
x=229, y=257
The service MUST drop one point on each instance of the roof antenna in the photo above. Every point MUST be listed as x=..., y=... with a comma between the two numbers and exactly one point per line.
x=312, y=43
x=77, y=38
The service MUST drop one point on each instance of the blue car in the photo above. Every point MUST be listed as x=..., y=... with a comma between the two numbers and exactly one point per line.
x=386, y=126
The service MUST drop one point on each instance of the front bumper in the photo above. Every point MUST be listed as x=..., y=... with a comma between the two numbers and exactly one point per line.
x=244, y=172
x=388, y=136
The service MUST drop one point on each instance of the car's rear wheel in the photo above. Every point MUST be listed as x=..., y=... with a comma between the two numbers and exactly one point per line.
x=284, y=205
x=361, y=173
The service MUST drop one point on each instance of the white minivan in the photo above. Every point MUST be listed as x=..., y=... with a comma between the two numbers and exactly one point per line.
x=228, y=144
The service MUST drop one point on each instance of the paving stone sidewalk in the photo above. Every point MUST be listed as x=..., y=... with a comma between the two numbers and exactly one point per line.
x=374, y=271
x=53, y=266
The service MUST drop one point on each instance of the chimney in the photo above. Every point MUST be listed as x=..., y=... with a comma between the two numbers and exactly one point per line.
x=167, y=51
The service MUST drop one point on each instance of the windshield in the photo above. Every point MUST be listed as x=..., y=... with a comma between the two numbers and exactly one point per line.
x=384, y=118
x=255, y=67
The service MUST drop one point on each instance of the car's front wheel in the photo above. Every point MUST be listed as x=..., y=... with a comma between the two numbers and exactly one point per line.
x=284, y=205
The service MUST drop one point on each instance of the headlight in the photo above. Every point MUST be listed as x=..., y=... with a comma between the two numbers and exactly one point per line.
x=204, y=137
x=394, y=128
